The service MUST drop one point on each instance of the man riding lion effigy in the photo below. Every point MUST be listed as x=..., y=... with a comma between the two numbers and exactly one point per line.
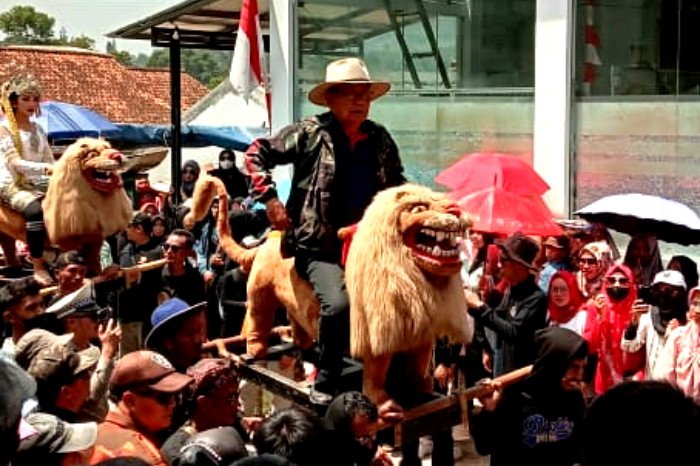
x=74, y=203
x=402, y=273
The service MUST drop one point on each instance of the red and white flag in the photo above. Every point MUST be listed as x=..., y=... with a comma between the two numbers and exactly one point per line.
x=248, y=63
x=592, y=43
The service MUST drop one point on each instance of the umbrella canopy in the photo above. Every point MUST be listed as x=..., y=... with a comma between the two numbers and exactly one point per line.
x=473, y=172
x=494, y=210
x=61, y=120
x=633, y=213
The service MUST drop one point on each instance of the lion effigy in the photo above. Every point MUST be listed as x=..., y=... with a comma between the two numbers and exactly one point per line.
x=84, y=204
x=402, y=275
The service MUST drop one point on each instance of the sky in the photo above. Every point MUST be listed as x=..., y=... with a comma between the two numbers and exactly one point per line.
x=96, y=18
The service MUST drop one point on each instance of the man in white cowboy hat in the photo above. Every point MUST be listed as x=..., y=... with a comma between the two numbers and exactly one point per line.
x=341, y=160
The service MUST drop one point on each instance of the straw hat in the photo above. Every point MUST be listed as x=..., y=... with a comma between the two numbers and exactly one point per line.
x=351, y=71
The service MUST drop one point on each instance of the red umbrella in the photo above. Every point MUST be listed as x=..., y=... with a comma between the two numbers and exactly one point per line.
x=494, y=210
x=473, y=172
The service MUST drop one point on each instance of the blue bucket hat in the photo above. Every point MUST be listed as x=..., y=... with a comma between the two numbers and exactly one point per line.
x=169, y=311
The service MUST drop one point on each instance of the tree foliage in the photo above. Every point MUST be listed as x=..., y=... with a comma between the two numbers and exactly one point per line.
x=208, y=66
x=23, y=25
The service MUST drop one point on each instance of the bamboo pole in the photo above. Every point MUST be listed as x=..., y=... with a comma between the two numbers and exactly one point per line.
x=145, y=267
x=459, y=398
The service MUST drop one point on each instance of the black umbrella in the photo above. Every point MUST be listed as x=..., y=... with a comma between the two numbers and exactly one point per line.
x=668, y=220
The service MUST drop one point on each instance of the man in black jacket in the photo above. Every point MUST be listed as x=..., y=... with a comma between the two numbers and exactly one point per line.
x=510, y=326
x=341, y=160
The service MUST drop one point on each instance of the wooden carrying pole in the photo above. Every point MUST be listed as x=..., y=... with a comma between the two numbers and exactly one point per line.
x=413, y=423
x=145, y=267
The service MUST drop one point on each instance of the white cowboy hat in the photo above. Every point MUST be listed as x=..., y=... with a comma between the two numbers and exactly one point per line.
x=347, y=70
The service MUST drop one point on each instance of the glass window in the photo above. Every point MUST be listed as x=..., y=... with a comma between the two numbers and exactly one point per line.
x=637, y=108
x=462, y=71
x=638, y=47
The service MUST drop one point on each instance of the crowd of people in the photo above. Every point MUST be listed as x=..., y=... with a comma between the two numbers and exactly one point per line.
x=110, y=369
x=598, y=322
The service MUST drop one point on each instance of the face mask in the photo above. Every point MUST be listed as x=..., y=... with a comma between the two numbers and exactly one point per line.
x=226, y=164
x=618, y=293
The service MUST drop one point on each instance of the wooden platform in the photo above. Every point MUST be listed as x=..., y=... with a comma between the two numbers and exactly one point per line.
x=439, y=412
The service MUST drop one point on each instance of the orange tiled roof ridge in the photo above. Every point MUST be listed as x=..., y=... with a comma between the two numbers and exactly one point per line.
x=98, y=81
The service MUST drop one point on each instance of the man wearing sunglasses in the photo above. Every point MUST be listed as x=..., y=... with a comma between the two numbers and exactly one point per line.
x=181, y=278
x=145, y=389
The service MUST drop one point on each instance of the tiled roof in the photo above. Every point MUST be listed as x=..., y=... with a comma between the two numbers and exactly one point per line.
x=98, y=81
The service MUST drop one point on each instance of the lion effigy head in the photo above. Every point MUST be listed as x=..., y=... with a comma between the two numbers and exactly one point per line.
x=86, y=200
x=402, y=272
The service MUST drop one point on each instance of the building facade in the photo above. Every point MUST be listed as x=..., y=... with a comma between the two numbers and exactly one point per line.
x=600, y=96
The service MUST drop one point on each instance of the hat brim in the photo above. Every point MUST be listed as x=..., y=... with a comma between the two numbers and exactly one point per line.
x=153, y=337
x=508, y=254
x=171, y=383
x=317, y=95
x=82, y=436
x=89, y=358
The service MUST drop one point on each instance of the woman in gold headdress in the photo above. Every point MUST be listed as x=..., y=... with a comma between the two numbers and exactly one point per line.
x=25, y=163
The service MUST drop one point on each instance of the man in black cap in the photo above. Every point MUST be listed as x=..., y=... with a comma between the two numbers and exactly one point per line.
x=81, y=316
x=510, y=326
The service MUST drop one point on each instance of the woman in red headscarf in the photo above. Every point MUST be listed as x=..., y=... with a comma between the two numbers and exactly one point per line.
x=566, y=306
x=620, y=293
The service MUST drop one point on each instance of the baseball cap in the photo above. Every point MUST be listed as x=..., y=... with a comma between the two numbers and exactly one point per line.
x=147, y=369
x=45, y=355
x=670, y=277
x=55, y=436
x=168, y=311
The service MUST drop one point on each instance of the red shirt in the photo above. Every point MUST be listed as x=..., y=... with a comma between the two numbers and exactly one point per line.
x=117, y=436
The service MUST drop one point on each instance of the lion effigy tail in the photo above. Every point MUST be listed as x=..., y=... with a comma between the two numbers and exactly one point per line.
x=205, y=190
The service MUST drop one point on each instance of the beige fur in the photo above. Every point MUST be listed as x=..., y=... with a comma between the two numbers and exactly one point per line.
x=407, y=307
x=73, y=211
x=399, y=303
x=272, y=282
x=77, y=217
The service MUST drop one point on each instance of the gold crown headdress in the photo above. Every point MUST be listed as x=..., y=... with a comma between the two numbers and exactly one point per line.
x=20, y=84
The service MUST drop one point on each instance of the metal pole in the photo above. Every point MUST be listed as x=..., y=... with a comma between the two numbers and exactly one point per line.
x=175, y=106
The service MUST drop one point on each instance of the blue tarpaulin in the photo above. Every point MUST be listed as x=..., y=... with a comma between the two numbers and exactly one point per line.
x=228, y=137
x=61, y=120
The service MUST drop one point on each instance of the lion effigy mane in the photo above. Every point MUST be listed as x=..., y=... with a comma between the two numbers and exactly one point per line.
x=85, y=201
x=401, y=297
x=402, y=276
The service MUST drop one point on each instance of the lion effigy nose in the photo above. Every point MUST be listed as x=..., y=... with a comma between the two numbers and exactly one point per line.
x=453, y=209
x=115, y=155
